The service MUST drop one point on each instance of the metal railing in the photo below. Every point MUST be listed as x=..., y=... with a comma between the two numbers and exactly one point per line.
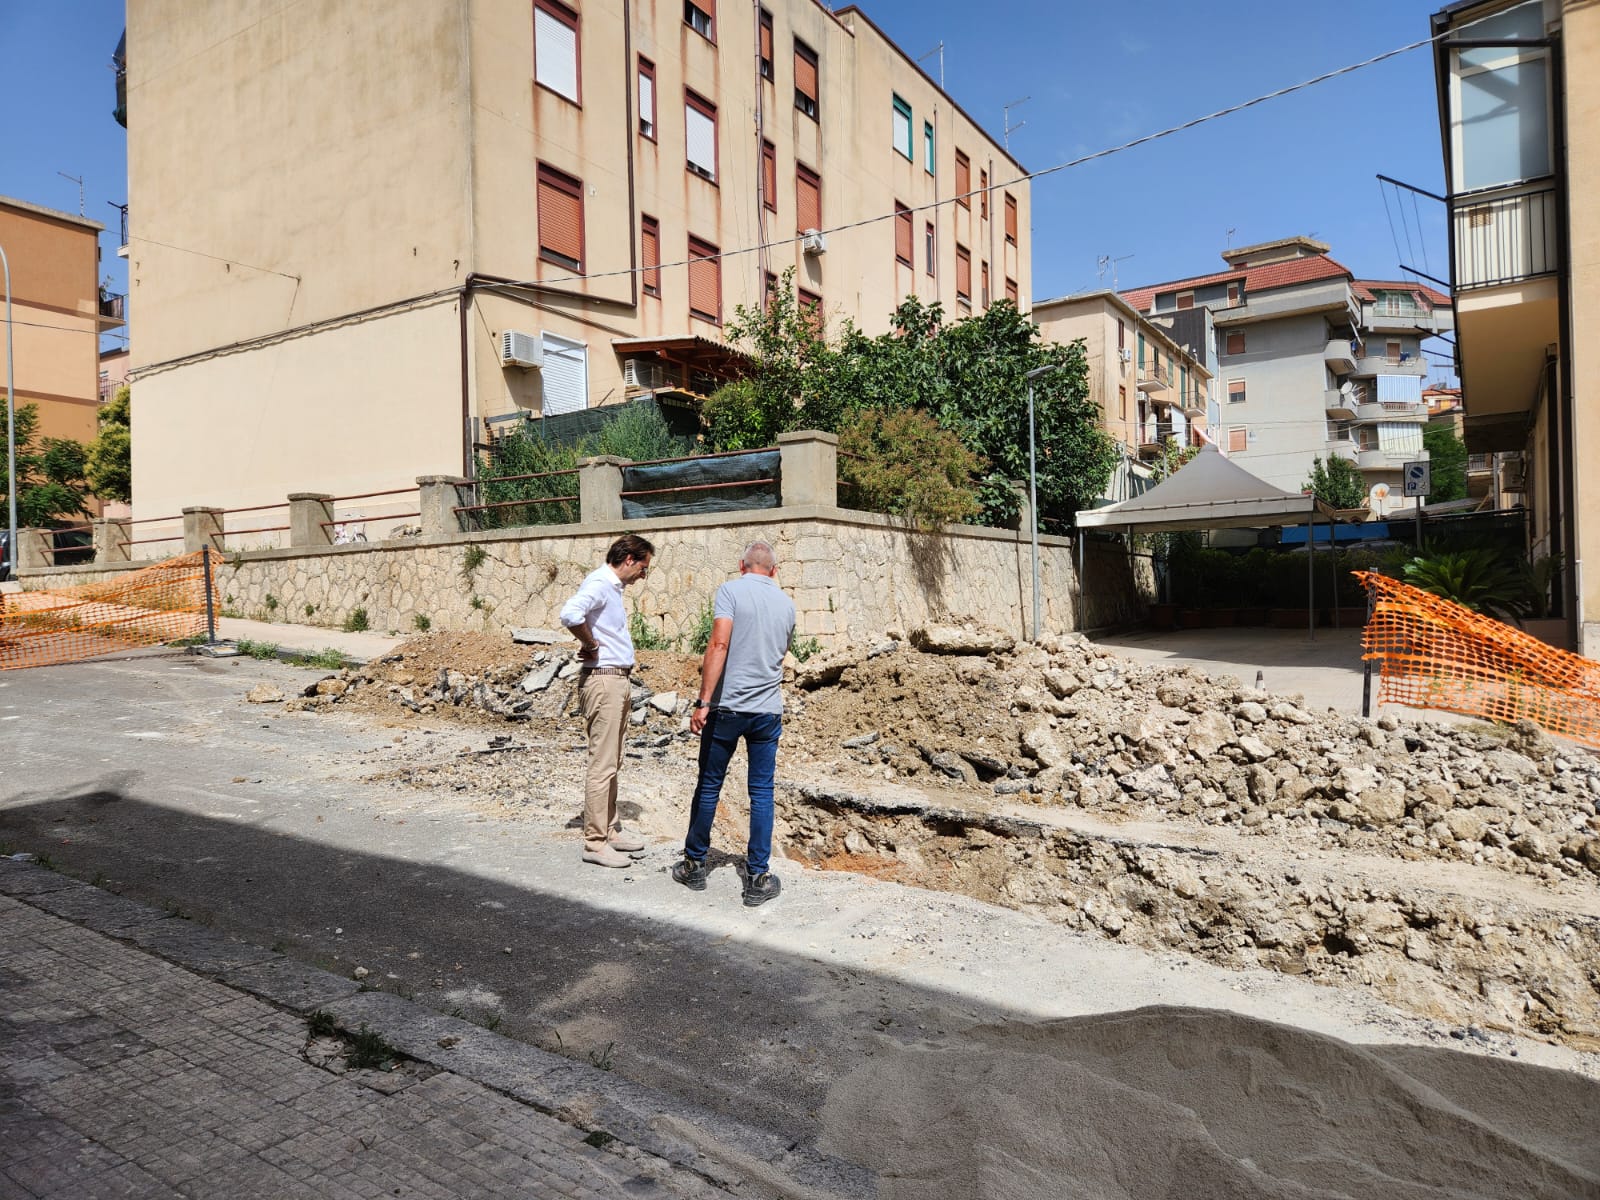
x=220, y=538
x=501, y=514
x=144, y=541
x=112, y=306
x=1504, y=238
x=352, y=527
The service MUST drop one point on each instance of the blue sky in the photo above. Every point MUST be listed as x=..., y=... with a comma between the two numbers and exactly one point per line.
x=1096, y=75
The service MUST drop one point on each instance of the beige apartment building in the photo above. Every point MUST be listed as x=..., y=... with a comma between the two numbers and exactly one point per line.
x=1149, y=387
x=58, y=315
x=1519, y=107
x=363, y=235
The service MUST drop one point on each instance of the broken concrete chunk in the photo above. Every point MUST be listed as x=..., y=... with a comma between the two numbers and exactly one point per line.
x=538, y=637
x=1208, y=733
x=664, y=702
x=859, y=742
x=960, y=639
x=538, y=681
x=264, y=693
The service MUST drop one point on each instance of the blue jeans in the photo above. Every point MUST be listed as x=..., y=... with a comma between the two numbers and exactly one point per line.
x=718, y=740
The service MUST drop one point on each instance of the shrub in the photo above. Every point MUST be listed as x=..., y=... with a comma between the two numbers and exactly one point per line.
x=645, y=635
x=700, y=638
x=902, y=463
x=421, y=623
x=1482, y=580
x=356, y=621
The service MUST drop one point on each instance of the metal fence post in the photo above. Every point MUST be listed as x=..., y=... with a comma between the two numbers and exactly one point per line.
x=211, y=612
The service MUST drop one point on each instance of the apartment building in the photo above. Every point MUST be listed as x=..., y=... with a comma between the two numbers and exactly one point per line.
x=1520, y=124
x=58, y=314
x=1150, y=388
x=1312, y=362
x=365, y=235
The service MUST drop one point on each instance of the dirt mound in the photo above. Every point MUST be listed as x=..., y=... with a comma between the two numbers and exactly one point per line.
x=1167, y=1102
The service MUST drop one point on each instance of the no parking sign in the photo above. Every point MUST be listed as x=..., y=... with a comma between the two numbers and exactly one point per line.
x=1418, y=478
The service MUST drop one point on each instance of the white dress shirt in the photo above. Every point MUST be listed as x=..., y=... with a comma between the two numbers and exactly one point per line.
x=598, y=607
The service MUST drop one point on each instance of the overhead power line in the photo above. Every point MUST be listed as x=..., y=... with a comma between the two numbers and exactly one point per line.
x=1027, y=177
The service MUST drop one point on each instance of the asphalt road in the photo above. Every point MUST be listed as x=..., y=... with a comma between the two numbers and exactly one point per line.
x=152, y=777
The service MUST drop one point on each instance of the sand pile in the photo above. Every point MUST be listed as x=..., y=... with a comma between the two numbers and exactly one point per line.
x=1201, y=1105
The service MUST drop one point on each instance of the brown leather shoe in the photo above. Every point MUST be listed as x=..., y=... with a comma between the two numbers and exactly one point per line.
x=607, y=857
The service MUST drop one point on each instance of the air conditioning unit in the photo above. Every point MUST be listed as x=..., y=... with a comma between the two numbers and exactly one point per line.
x=1126, y=354
x=644, y=374
x=523, y=350
x=812, y=242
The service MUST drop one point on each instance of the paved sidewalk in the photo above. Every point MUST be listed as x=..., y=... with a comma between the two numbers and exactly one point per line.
x=124, y=1073
x=308, y=639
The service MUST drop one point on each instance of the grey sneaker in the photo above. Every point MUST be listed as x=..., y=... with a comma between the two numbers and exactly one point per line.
x=758, y=889
x=607, y=857
x=690, y=873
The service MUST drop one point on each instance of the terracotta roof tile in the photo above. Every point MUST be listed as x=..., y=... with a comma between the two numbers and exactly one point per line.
x=1363, y=290
x=1256, y=279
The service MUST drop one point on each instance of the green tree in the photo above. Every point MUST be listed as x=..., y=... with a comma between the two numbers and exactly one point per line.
x=110, y=467
x=970, y=377
x=1171, y=459
x=50, y=482
x=1447, y=458
x=1337, y=483
x=902, y=463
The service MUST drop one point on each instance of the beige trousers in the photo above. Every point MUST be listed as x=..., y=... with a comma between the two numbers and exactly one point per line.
x=605, y=717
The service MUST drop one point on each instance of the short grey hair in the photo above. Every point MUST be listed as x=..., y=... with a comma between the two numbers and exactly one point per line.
x=759, y=554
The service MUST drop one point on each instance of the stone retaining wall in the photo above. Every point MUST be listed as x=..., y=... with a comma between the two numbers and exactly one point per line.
x=851, y=574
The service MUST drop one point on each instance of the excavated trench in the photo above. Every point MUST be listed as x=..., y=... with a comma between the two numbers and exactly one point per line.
x=1485, y=960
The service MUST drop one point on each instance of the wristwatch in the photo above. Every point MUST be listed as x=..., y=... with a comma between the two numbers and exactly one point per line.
x=702, y=704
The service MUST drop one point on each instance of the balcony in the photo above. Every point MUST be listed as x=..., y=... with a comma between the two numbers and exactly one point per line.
x=111, y=311
x=1379, y=318
x=1152, y=436
x=1340, y=357
x=1387, y=460
x=1412, y=414
x=1338, y=404
x=1154, y=379
x=1408, y=363
x=1505, y=239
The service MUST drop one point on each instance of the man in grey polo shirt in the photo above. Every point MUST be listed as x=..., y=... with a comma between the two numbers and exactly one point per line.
x=740, y=697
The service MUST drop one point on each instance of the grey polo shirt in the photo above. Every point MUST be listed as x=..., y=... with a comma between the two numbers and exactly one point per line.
x=763, y=622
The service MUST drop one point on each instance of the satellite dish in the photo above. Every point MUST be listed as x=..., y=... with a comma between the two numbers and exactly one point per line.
x=1346, y=388
x=1380, y=491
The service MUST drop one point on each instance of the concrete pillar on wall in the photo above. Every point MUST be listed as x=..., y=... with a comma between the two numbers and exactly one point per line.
x=110, y=540
x=600, y=489
x=810, y=465
x=310, y=517
x=202, y=527
x=441, y=495
x=33, y=546
x=1024, y=509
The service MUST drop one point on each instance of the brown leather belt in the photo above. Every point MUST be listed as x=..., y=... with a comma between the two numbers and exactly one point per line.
x=623, y=671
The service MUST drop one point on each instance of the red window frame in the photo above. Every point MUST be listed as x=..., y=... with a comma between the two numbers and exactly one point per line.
x=647, y=70
x=650, y=254
x=554, y=183
x=705, y=272
x=568, y=17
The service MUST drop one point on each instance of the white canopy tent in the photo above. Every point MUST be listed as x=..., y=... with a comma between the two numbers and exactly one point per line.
x=1210, y=492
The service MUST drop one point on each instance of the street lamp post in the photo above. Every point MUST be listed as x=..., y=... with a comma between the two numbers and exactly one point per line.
x=1033, y=492
x=11, y=428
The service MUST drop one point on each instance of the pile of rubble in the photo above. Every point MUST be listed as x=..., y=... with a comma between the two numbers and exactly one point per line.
x=1067, y=723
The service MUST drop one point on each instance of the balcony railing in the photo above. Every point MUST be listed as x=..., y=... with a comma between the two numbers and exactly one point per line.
x=1506, y=238
x=112, y=306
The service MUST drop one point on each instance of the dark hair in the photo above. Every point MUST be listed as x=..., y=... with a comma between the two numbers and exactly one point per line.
x=629, y=545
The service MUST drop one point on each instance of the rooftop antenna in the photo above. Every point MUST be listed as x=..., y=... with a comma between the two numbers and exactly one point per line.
x=1010, y=128
x=77, y=179
x=1104, y=262
x=939, y=50
x=1228, y=238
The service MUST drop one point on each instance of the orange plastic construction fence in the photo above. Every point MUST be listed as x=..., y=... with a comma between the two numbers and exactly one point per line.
x=1436, y=654
x=161, y=603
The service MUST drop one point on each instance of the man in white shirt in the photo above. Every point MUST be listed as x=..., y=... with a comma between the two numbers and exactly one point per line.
x=597, y=618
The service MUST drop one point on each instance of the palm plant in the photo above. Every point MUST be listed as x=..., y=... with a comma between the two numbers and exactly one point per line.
x=1481, y=579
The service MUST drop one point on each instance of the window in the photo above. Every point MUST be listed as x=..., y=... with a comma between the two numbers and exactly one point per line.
x=650, y=254
x=1391, y=351
x=1500, y=102
x=555, y=48
x=1122, y=402
x=1011, y=219
x=1233, y=293
x=1011, y=291
x=902, y=233
x=927, y=146
x=807, y=199
x=560, y=218
x=1141, y=352
x=564, y=378
x=1122, y=334
x=811, y=306
x=1185, y=299
x=963, y=180
x=963, y=275
x=1235, y=343
x=769, y=286
x=901, y=135
x=805, y=79
x=983, y=284
x=769, y=176
x=983, y=194
x=700, y=126
x=1235, y=391
x=929, y=248
x=766, y=44
x=647, y=98
x=701, y=16
x=705, y=281
x=1238, y=439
